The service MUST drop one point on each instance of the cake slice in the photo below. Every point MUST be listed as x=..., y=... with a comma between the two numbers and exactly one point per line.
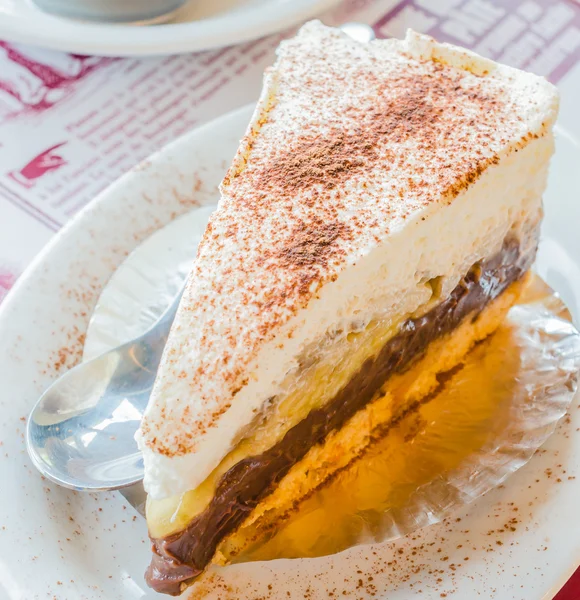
x=379, y=219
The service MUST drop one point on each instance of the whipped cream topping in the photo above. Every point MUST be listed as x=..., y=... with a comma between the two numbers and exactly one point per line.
x=366, y=170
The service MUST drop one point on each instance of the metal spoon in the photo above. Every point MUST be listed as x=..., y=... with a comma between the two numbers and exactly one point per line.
x=81, y=432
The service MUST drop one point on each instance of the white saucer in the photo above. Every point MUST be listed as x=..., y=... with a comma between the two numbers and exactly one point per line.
x=199, y=25
x=55, y=543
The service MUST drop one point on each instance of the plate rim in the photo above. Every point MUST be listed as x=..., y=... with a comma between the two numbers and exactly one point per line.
x=117, y=40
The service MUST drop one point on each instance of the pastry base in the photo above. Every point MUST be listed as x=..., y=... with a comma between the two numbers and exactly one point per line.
x=399, y=395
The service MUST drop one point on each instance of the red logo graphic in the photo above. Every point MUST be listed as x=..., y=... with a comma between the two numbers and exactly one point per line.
x=42, y=163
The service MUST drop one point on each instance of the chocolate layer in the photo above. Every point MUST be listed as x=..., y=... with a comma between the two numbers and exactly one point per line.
x=183, y=556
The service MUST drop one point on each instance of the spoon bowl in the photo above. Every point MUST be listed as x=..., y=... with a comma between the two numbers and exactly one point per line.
x=81, y=433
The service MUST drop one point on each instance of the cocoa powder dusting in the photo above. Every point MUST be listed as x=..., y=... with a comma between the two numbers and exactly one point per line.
x=419, y=112
x=311, y=244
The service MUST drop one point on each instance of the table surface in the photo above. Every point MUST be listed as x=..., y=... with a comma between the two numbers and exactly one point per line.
x=70, y=125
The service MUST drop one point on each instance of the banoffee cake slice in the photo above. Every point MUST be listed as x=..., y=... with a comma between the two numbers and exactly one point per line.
x=379, y=218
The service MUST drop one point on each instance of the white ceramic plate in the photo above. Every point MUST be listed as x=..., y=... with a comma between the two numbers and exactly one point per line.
x=521, y=541
x=199, y=25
